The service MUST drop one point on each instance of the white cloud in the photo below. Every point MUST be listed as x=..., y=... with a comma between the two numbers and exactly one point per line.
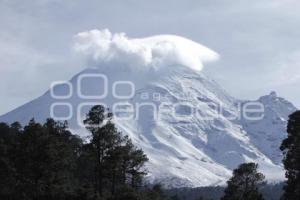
x=103, y=47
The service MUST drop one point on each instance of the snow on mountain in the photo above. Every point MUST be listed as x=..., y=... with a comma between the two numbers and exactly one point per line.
x=267, y=134
x=193, y=132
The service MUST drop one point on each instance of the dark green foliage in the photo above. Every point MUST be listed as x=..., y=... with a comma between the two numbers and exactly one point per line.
x=195, y=193
x=291, y=149
x=7, y=156
x=117, y=161
x=175, y=197
x=41, y=160
x=156, y=193
x=45, y=161
x=269, y=191
x=147, y=193
x=244, y=183
x=126, y=193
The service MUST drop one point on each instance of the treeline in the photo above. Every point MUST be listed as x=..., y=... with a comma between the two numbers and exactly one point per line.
x=269, y=192
x=46, y=161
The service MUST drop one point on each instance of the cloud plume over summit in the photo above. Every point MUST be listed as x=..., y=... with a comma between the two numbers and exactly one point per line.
x=102, y=47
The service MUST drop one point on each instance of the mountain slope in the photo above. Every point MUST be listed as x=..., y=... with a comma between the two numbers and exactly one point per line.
x=198, y=149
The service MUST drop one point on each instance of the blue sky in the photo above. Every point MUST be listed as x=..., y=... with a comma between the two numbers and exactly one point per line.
x=258, y=41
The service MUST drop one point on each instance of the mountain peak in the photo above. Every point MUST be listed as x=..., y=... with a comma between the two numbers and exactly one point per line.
x=189, y=135
x=273, y=94
x=277, y=103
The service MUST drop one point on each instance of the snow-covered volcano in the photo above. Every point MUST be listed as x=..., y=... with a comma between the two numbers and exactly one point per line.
x=193, y=132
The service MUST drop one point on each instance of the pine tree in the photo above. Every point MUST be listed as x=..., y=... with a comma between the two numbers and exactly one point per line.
x=31, y=161
x=291, y=149
x=136, y=167
x=46, y=156
x=156, y=193
x=117, y=162
x=45, y=161
x=105, y=137
x=244, y=183
x=62, y=149
x=8, y=142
